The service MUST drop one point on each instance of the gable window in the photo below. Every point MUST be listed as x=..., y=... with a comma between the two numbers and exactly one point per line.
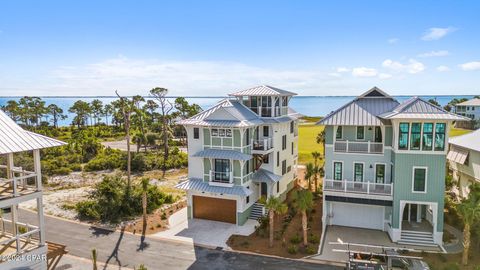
x=378, y=134
x=360, y=133
x=380, y=173
x=440, y=136
x=265, y=131
x=220, y=132
x=196, y=133
x=419, y=180
x=337, y=170
x=358, y=172
x=415, y=137
x=284, y=142
x=292, y=125
x=403, y=136
x=284, y=167
x=339, y=134
x=427, y=142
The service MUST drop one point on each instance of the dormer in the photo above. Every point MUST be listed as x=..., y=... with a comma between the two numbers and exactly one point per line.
x=265, y=100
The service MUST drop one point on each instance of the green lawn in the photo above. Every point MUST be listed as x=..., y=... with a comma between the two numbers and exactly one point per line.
x=458, y=131
x=307, y=133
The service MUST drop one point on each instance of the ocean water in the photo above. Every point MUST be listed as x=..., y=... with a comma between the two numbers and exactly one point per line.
x=306, y=105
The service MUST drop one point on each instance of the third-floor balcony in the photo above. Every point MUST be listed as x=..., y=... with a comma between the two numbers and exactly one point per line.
x=364, y=147
x=222, y=178
x=346, y=187
x=262, y=146
x=272, y=111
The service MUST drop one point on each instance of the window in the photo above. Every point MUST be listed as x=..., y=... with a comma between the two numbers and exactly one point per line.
x=378, y=134
x=439, y=136
x=266, y=158
x=215, y=132
x=278, y=158
x=403, y=136
x=292, y=148
x=278, y=187
x=247, y=167
x=247, y=137
x=415, y=137
x=427, y=143
x=292, y=126
x=248, y=199
x=380, y=173
x=222, y=170
x=221, y=132
x=339, y=134
x=337, y=171
x=284, y=167
x=419, y=179
x=360, y=133
x=358, y=172
x=284, y=142
x=196, y=133
x=284, y=101
x=265, y=131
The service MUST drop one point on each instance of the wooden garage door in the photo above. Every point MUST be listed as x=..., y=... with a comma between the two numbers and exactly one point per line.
x=215, y=209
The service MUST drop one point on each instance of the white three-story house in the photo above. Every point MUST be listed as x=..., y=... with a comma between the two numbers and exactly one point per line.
x=244, y=147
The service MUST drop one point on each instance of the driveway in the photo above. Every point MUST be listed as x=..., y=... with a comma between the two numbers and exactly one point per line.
x=339, y=234
x=203, y=232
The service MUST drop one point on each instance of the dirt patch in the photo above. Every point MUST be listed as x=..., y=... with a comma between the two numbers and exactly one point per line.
x=157, y=221
x=451, y=261
x=289, y=244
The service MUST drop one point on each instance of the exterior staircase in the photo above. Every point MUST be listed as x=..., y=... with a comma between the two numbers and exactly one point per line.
x=417, y=238
x=258, y=211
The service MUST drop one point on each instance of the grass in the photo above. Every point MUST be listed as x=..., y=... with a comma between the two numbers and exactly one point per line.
x=458, y=131
x=307, y=142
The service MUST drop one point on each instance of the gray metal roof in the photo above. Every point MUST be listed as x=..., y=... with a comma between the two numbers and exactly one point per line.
x=223, y=154
x=200, y=185
x=471, y=102
x=15, y=139
x=457, y=154
x=263, y=90
x=469, y=141
x=417, y=108
x=262, y=175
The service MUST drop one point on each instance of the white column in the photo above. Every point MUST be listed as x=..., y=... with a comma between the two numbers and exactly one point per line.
x=38, y=172
x=419, y=213
x=409, y=211
x=11, y=176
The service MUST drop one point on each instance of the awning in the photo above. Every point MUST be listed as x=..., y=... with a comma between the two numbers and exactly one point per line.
x=223, y=154
x=457, y=155
x=200, y=185
x=263, y=175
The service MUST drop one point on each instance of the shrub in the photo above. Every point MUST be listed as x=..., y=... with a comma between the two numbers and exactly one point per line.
x=139, y=163
x=451, y=266
x=87, y=210
x=310, y=250
x=314, y=239
x=296, y=239
x=292, y=249
x=107, y=160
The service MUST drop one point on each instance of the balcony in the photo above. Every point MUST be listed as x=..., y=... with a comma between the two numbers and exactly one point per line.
x=361, y=188
x=367, y=147
x=262, y=146
x=269, y=111
x=221, y=178
x=20, y=185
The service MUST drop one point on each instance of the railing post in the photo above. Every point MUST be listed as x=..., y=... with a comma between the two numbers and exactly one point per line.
x=346, y=145
x=231, y=177
x=368, y=187
x=369, y=150
x=345, y=185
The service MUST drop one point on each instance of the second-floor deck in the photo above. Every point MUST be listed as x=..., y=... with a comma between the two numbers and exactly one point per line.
x=364, y=147
x=360, y=188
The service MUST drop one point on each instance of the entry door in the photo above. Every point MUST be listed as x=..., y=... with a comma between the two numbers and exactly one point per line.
x=263, y=189
x=380, y=173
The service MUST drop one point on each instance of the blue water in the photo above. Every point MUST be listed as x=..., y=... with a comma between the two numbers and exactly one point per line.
x=306, y=105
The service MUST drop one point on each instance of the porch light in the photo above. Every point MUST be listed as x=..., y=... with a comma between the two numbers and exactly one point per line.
x=371, y=166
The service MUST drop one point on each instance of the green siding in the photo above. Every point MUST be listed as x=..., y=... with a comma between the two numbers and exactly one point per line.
x=328, y=134
x=388, y=136
x=189, y=212
x=206, y=136
x=237, y=138
x=227, y=142
x=403, y=168
x=243, y=217
x=236, y=168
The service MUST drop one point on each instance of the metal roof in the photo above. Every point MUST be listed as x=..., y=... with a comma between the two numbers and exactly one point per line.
x=223, y=154
x=469, y=141
x=457, y=154
x=263, y=90
x=200, y=185
x=15, y=139
x=471, y=102
x=262, y=175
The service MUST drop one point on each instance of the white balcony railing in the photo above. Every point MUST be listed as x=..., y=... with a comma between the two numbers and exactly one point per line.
x=346, y=186
x=269, y=111
x=263, y=144
x=367, y=147
x=221, y=177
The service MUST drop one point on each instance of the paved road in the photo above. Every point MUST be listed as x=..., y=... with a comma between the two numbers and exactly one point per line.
x=125, y=250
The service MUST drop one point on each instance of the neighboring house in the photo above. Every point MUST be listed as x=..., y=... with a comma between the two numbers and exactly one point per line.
x=385, y=167
x=469, y=109
x=464, y=160
x=18, y=185
x=241, y=149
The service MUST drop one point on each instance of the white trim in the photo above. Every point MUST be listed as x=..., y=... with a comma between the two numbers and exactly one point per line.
x=413, y=178
x=333, y=168
x=384, y=172
x=363, y=170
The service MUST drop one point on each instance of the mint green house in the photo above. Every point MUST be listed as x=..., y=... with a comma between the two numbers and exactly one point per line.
x=385, y=167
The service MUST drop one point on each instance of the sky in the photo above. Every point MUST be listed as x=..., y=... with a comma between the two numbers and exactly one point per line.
x=211, y=48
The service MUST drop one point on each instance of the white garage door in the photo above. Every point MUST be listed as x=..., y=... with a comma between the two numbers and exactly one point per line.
x=358, y=215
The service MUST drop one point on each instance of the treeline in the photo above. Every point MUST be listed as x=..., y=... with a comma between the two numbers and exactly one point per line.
x=450, y=104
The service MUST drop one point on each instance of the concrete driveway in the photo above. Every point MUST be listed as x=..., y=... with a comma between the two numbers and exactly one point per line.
x=203, y=232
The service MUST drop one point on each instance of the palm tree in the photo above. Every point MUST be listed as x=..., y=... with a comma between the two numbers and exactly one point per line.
x=309, y=171
x=145, y=183
x=316, y=156
x=94, y=259
x=303, y=202
x=126, y=106
x=469, y=211
x=275, y=206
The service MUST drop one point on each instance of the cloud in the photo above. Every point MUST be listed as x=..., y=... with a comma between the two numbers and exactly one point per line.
x=436, y=33
x=393, y=40
x=442, y=68
x=475, y=65
x=342, y=69
x=334, y=74
x=364, y=72
x=434, y=53
x=384, y=76
x=412, y=67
